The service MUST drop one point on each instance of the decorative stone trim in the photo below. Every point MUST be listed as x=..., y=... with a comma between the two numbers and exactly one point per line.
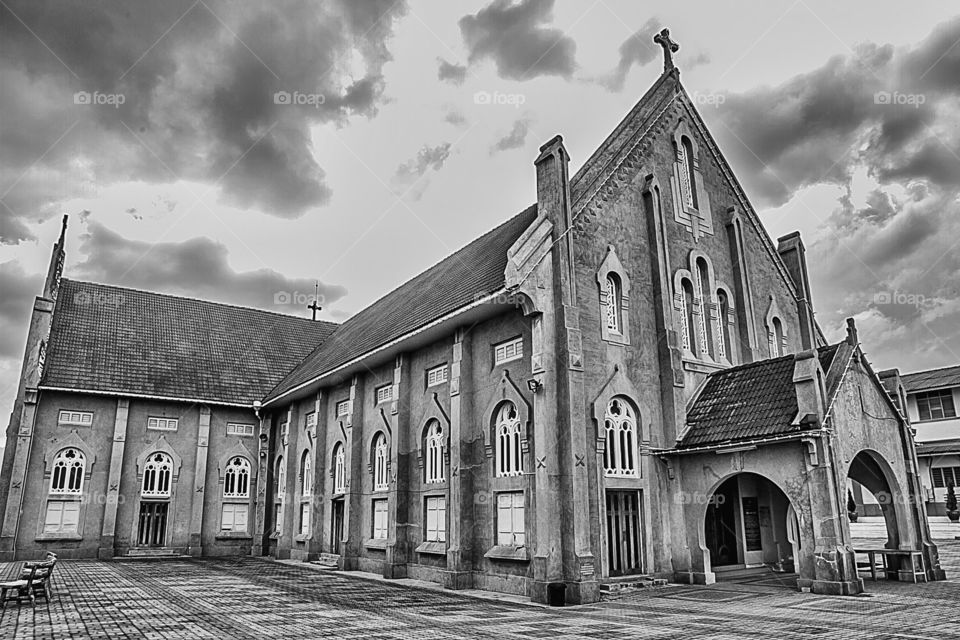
x=611, y=265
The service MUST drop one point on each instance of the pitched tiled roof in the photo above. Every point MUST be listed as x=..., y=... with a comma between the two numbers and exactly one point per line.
x=471, y=272
x=751, y=401
x=116, y=340
x=938, y=447
x=932, y=379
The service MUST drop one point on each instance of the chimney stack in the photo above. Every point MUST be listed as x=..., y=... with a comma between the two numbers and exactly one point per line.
x=794, y=256
x=853, y=338
x=809, y=382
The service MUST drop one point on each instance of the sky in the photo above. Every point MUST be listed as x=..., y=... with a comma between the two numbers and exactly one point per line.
x=243, y=151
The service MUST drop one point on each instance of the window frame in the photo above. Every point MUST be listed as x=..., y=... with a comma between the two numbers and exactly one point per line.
x=943, y=397
x=70, y=422
x=345, y=406
x=380, y=448
x=517, y=502
x=154, y=423
x=380, y=519
x=383, y=394
x=508, y=441
x=436, y=373
x=158, y=476
x=232, y=429
x=620, y=428
x=517, y=351
x=237, y=471
x=69, y=473
x=439, y=530
x=63, y=502
x=434, y=453
x=235, y=508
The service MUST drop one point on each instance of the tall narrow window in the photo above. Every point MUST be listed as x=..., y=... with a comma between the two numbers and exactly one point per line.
x=434, y=452
x=620, y=425
x=236, y=479
x=725, y=341
x=510, y=519
x=703, y=292
x=157, y=473
x=281, y=476
x=509, y=455
x=306, y=475
x=689, y=325
x=612, y=303
x=381, y=456
x=777, y=348
x=68, y=468
x=339, y=469
x=688, y=186
x=305, y=519
x=380, y=519
x=436, y=519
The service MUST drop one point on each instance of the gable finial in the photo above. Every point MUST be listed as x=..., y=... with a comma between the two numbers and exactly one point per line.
x=670, y=47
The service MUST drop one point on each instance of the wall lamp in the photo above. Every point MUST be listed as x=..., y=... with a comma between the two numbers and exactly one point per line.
x=534, y=385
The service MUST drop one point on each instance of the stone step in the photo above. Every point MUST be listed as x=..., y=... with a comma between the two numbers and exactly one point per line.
x=151, y=552
x=622, y=585
x=327, y=560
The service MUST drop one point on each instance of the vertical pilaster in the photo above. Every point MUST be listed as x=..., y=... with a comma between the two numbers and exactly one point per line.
x=460, y=499
x=398, y=504
x=199, y=483
x=352, y=432
x=109, y=531
x=260, y=487
x=744, y=292
x=18, y=476
x=319, y=464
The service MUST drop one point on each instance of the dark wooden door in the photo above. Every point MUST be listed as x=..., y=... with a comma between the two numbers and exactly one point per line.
x=336, y=529
x=152, y=531
x=624, y=533
x=720, y=527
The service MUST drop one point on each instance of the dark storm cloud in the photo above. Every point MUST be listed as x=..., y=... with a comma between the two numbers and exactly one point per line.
x=639, y=49
x=16, y=303
x=514, y=139
x=878, y=105
x=514, y=36
x=199, y=94
x=197, y=268
x=449, y=72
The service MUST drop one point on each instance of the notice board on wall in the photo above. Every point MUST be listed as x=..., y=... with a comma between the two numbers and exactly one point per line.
x=751, y=524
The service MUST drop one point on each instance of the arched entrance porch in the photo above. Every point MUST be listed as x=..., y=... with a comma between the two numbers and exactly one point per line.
x=749, y=524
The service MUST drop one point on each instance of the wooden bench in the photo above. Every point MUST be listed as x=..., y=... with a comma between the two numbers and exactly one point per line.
x=18, y=589
x=43, y=575
x=914, y=558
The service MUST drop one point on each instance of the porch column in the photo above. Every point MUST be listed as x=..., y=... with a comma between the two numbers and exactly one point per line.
x=108, y=534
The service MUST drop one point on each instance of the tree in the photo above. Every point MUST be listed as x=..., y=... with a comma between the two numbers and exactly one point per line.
x=951, y=498
x=851, y=503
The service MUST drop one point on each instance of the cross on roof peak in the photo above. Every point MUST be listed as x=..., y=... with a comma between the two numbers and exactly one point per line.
x=669, y=48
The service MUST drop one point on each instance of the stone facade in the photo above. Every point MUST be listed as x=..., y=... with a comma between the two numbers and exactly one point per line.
x=562, y=400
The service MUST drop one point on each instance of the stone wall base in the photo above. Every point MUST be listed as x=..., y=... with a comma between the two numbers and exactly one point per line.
x=831, y=587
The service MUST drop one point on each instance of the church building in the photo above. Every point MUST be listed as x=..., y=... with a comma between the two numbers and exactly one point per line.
x=625, y=378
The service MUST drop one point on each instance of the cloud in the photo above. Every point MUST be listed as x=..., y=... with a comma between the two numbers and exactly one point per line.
x=455, y=117
x=452, y=73
x=639, y=49
x=180, y=90
x=409, y=176
x=198, y=267
x=515, y=38
x=894, y=109
x=16, y=304
x=514, y=139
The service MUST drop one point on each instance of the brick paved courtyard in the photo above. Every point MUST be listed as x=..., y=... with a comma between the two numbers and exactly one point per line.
x=253, y=598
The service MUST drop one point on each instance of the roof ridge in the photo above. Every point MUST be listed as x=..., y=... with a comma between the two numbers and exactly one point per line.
x=924, y=371
x=200, y=300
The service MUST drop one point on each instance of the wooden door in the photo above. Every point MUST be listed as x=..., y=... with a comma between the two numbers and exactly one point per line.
x=152, y=529
x=336, y=529
x=624, y=533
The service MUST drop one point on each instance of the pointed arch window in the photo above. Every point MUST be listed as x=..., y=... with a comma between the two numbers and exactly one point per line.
x=724, y=329
x=339, y=469
x=281, y=476
x=685, y=159
x=67, y=476
x=236, y=479
x=509, y=455
x=612, y=303
x=434, y=448
x=157, y=475
x=620, y=426
x=306, y=475
x=703, y=322
x=381, y=456
x=776, y=348
x=688, y=326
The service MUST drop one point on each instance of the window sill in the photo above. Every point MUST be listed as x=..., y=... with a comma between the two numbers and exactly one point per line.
x=233, y=535
x=507, y=552
x=303, y=537
x=433, y=548
x=701, y=366
x=276, y=535
x=58, y=536
x=376, y=543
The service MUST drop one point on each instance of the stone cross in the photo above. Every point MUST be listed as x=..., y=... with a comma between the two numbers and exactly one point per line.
x=313, y=305
x=669, y=48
